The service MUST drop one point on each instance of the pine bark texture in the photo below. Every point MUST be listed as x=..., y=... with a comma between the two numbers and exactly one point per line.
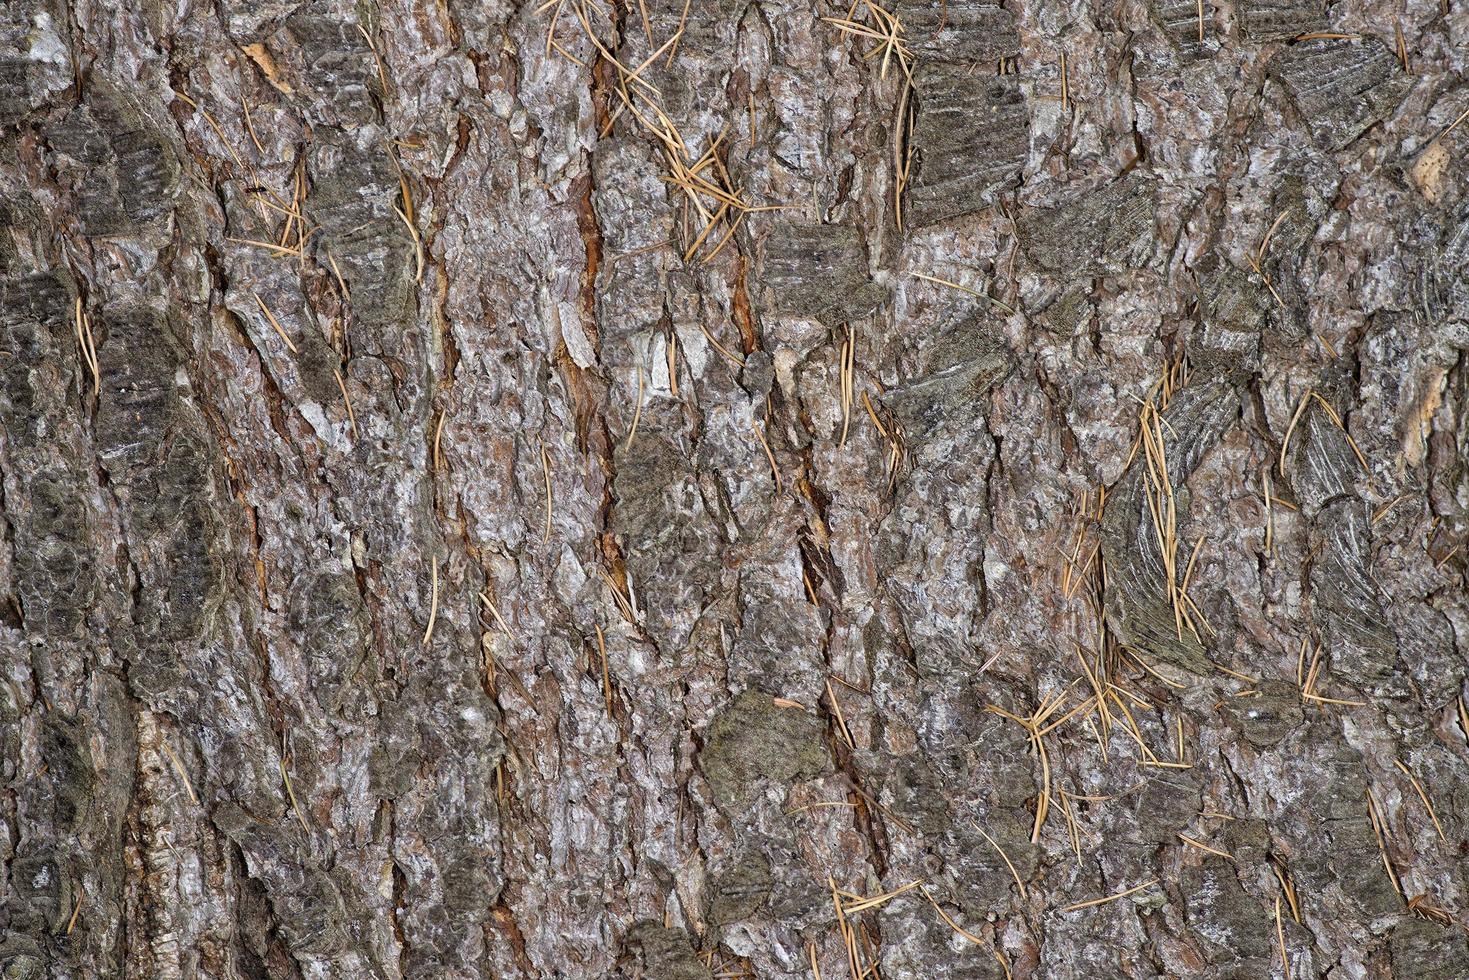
x=444, y=575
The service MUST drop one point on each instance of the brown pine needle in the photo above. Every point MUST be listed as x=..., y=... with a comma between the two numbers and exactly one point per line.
x=87, y=344
x=637, y=412
x=606, y=674
x=640, y=101
x=1287, y=887
x=848, y=938
x=836, y=708
x=1265, y=242
x=863, y=904
x=683, y=19
x=351, y=415
x=1377, y=829
x=1111, y=898
x=1065, y=85
x=275, y=323
x=963, y=289
x=951, y=285
x=737, y=360
x=886, y=29
x=1072, y=830
x=1033, y=727
x=1280, y=937
x=495, y=614
x=1004, y=857
x=965, y=932
x=178, y=767
x=848, y=366
x=417, y=240
x=76, y=910
x=1422, y=795
x=770, y=456
x=291, y=790
x=1308, y=689
x=280, y=250
x=624, y=602
x=1162, y=507
x=1205, y=847
x=1269, y=517
x=433, y=610
x=546, y=472
x=1420, y=905
x=1285, y=443
x=437, y=456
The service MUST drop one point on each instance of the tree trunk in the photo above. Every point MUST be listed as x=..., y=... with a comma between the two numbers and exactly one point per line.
x=645, y=490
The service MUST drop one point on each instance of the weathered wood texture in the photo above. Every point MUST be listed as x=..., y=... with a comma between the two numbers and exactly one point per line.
x=443, y=576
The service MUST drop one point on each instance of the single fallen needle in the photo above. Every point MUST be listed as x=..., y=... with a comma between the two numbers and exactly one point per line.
x=546, y=472
x=1205, y=847
x=405, y=214
x=1285, y=442
x=1280, y=937
x=1111, y=898
x=1331, y=413
x=495, y=614
x=963, y=289
x=637, y=413
x=1065, y=85
x=1422, y=795
x=433, y=603
x=836, y=707
x=179, y=768
x=769, y=456
x=75, y=911
x=438, y=456
x=606, y=675
x=1004, y=857
x=960, y=930
x=291, y=790
x=351, y=415
x=275, y=323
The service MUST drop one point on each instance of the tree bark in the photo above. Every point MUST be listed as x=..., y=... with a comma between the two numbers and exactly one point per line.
x=956, y=489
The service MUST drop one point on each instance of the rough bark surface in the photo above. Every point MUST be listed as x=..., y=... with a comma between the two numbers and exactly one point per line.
x=438, y=573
